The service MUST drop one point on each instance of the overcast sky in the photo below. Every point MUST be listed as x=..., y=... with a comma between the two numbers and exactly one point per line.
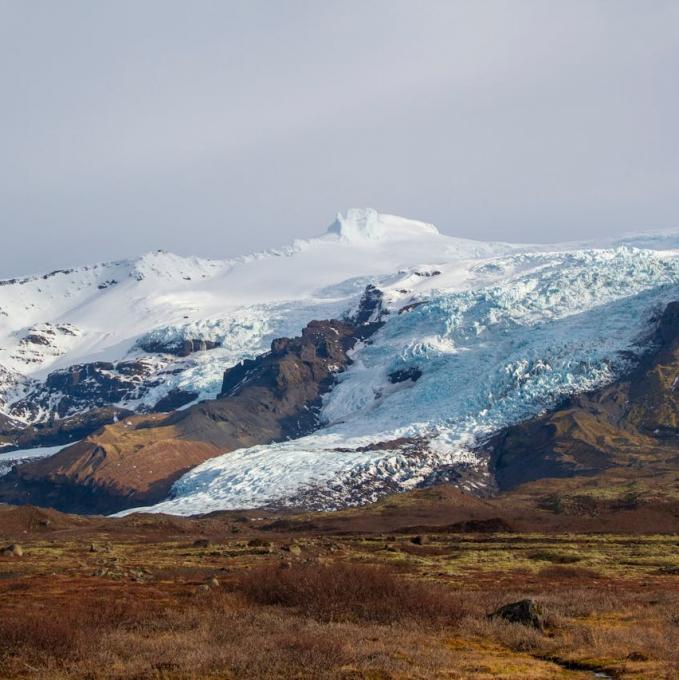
x=217, y=128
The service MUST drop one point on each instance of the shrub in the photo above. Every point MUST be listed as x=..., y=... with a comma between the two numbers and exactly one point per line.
x=557, y=571
x=53, y=635
x=59, y=634
x=553, y=556
x=350, y=592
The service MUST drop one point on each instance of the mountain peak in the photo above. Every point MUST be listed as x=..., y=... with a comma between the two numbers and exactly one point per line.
x=366, y=224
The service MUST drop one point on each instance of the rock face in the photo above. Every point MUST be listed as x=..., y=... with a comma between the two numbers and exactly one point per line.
x=58, y=432
x=653, y=396
x=134, y=462
x=413, y=374
x=623, y=424
x=178, y=347
x=276, y=396
x=174, y=399
x=88, y=386
x=370, y=307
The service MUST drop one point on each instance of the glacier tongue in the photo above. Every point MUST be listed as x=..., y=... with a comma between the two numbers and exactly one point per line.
x=496, y=340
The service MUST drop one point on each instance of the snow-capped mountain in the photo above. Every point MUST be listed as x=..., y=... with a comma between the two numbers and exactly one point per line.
x=161, y=307
x=474, y=337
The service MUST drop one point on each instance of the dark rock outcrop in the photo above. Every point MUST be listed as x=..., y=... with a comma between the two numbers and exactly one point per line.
x=279, y=393
x=35, y=339
x=9, y=427
x=404, y=374
x=370, y=307
x=427, y=274
x=179, y=348
x=174, y=399
x=83, y=387
x=526, y=612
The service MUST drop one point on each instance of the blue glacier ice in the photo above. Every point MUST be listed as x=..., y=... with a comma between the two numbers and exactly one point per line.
x=532, y=328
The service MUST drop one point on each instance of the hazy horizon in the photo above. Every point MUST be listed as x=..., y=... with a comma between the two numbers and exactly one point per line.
x=229, y=127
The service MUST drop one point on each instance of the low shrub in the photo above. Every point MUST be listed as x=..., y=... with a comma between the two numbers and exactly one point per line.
x=350, y=592
x=53, y=635
x=557, y=571
x=553, y=556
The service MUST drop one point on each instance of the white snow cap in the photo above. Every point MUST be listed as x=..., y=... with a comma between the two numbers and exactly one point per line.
x=366, y=224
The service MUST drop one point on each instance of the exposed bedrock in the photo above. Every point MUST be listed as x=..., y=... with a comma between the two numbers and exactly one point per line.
x=174, y=399
x=81, y=387
x=179, y=347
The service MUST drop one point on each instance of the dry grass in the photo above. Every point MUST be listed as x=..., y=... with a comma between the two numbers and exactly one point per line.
x=214, y=634
x=343, y=608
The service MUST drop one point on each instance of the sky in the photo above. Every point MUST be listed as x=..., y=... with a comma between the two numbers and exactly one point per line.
x=219, y=128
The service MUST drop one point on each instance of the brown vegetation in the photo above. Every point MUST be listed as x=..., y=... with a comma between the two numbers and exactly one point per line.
x=170, y=598
x=352, y=592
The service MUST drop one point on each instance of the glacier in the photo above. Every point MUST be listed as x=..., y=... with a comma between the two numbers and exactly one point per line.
x=496, y=332
x=245, y=301
x=550, y=325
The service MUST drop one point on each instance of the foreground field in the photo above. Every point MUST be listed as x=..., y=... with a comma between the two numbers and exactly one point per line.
x=237, y=596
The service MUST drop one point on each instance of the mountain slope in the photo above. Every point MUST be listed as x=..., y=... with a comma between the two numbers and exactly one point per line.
x=632, y=423
x=479, y=361
x=141, y=328
x=275, y=397
x=475, y=339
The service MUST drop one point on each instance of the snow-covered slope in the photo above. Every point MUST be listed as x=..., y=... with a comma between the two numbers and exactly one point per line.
x=106, y=312
x=478, y=336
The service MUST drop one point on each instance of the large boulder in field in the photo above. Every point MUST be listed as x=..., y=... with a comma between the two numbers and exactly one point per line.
x=526, y=612
x=14, y=550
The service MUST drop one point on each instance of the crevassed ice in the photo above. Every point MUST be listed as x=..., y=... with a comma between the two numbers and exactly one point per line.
x=555, y=325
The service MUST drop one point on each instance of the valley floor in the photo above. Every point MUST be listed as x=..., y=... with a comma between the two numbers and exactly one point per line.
x=236, y=596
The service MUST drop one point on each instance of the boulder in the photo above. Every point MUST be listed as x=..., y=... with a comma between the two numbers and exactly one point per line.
x=14, y=550
x=419, y=540
x=293, y=549
x=526, y=612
